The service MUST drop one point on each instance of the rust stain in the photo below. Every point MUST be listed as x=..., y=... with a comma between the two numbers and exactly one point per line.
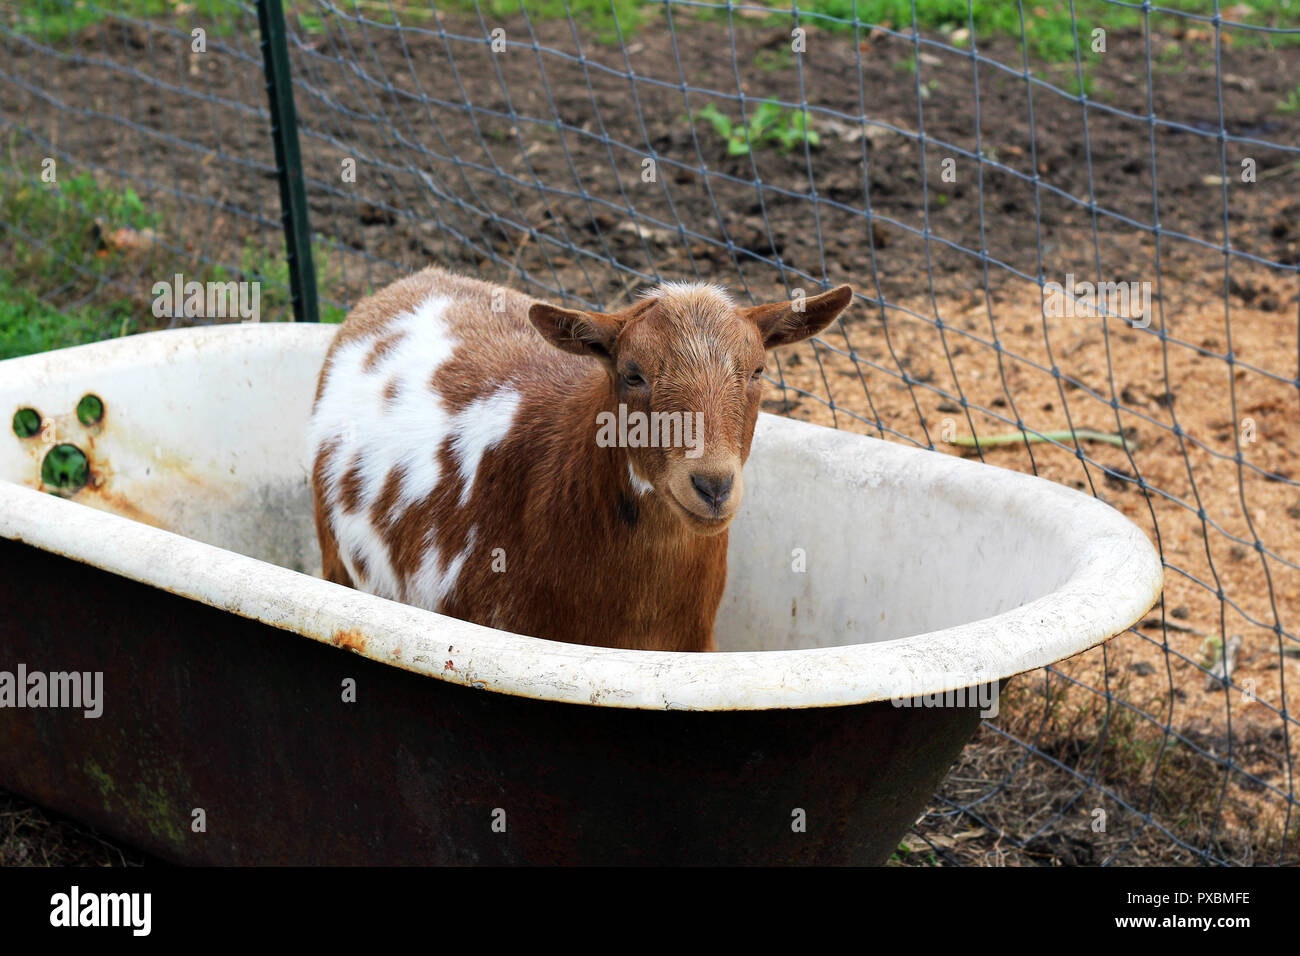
x=351, y=640
x=98, y=491
x=97, y=496
x=449, y=666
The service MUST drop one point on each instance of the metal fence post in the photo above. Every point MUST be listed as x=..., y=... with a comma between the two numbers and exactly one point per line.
x=288, y=160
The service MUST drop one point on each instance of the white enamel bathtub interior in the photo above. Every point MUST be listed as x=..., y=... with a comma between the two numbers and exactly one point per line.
x=859, y=570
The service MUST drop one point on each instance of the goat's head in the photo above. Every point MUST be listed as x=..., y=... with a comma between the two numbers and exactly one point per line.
x=685, y=364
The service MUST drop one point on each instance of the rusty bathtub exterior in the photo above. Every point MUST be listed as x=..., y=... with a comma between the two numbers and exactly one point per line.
x=208, y=710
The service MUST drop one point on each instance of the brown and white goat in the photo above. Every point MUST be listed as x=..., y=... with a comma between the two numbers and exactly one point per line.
x=458, y=460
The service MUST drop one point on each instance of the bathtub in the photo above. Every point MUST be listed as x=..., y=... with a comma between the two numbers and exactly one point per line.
x=252, y=713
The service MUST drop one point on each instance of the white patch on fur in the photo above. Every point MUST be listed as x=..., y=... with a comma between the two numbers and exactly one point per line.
x=350, y=412
x=689, y=289
x=480, y=425
x=429, y=586
x=356, y=536
x=639, y=484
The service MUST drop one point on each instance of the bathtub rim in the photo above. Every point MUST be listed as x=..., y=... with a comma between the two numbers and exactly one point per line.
x=1086, y=610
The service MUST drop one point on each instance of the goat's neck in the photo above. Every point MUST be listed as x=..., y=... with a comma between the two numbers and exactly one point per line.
x=599, y=483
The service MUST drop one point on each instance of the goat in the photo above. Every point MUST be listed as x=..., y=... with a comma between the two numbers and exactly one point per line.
x=472, y=455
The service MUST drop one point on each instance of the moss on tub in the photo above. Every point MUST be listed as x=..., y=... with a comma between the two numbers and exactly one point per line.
x=159, y=814
x=103, y=782
x=150, y=800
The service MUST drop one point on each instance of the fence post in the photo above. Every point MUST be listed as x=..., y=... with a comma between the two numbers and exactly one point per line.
x=288, y=160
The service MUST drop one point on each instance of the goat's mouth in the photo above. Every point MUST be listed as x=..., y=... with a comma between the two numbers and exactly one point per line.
x=702, y=524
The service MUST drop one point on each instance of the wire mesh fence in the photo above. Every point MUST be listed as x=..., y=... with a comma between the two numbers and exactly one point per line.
x=1073, y=228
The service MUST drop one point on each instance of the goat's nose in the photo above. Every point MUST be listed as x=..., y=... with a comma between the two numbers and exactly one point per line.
x=713, y=489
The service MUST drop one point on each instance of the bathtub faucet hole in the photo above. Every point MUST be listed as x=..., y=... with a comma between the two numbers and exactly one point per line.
x=27, y=423
x=65, y=469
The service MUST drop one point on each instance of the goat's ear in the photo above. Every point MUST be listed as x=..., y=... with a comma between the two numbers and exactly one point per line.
x=582, y=333
x=784, y=323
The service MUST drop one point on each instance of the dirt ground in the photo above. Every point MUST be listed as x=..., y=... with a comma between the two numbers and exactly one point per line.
x=528, y=168
x=30, y=836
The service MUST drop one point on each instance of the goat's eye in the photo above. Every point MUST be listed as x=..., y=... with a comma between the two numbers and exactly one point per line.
x=633, y=379
x=758, y=374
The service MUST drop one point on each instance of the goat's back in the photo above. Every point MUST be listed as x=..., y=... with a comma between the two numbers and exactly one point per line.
x=423, y=378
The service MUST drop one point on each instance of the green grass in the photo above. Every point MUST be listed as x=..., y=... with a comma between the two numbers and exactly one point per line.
x=258, y=265
x=58, y=19
x=773, y=61
x=28, y=325
x=81, y=197
x=65, y=221
x=606, y=18
x=1049, y=29
x=66, y=286
x=55, y=20
x=1049, y=35
x=1290, y=103
x=598, y=15
x=909, y=854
